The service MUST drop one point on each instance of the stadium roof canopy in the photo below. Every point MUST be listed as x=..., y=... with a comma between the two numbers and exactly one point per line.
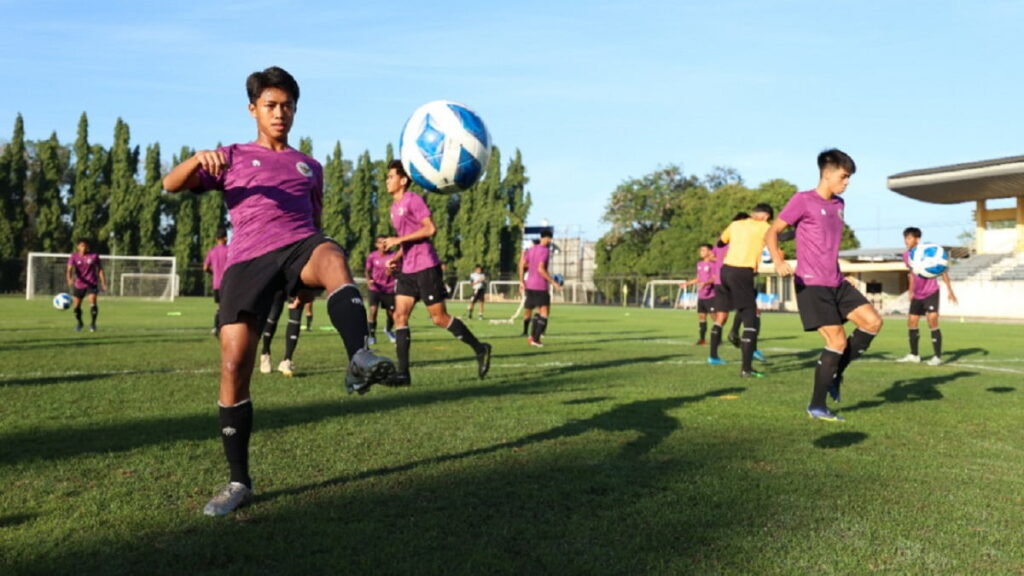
x=972, y=181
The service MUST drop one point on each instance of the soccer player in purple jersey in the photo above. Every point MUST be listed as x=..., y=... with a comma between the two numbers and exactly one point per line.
x=826, y=301
x=214, y=265
x=274, y=196
x=421, y=275
x=924, y=301
x=535, y=280
x=382, y=290
x=85, y=276
x=705, y=283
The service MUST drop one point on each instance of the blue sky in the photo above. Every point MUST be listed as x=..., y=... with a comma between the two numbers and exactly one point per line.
x=592, y=93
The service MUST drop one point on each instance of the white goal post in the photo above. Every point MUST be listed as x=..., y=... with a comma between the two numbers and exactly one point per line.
x=151, y=277
x=667, y=292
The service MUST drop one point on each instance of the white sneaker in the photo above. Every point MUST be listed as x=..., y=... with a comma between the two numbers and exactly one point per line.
x=265, y=364
x=910, y=359
x=391, y=336
x=231, y=497
x=287, y=368
x=935, y=361
x=371, y=340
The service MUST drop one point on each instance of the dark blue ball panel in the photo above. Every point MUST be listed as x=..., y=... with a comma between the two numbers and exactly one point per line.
x=472, y=124
x=431, y=143
x=468, y=171
x=420, y=179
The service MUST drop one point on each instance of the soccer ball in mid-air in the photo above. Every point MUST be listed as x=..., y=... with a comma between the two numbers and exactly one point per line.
x=444, y=146
x=928, y=260
x=766, y=256
x=62, y=301
x=558, y=279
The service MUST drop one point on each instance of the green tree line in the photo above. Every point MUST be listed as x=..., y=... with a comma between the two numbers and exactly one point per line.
x=52, y=194
x=658, y=221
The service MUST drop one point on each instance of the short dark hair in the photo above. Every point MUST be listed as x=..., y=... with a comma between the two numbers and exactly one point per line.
x=221, y=233
x=272, y=77
x=399, y=169
x=836, y=158
x=708, y=246
x=765, y=208
x=546, y=233
x=912, y=231
x=740, y=216
x=81, y=241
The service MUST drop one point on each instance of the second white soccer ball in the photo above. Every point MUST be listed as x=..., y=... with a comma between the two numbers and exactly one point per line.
x=444, y=146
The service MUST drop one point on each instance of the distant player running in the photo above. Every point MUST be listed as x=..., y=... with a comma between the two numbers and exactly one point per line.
x=746, y=242
x=381, y=283
x=274, y=196
x=421, y=277
x=535, y=280
x=479, y=282
x=85, y=277
x=214, y=264
x=705, y=284
x=924, y=302
x=826, y=301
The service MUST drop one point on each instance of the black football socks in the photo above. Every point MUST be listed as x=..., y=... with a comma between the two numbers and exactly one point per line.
x=348, y=316
x=403, y=341
x=716, y=339
x=235, y=430
x=462, y=333
x=292, y=332
x=856, y=345
x=824, y=375
x=937, y=342
x=914, y=335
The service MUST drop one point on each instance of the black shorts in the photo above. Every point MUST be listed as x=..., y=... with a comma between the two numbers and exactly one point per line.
x=826, y=306
x=81, y=292
x=216, y=296
x=925, y=306
x=248, y=287
x=426, y=285
x=385, y=300
x=737, y=290
x=478, y=296
x=706, y=305
x=536, y=299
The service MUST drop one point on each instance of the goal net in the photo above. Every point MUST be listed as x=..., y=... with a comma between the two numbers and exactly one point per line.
x=150, y=277
x=664, y=294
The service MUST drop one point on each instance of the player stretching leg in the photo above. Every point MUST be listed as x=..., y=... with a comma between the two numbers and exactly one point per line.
x=824, y=298
x=274, y=196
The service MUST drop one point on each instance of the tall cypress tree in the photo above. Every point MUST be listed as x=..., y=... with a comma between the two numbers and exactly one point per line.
x=514, y=188
x=361, y=211
x=186, y=236
x=49, y=231
x=83, y=200
x=8, y=234
x=17, y=175
x=382, y=200
x=99, y=174
x=495, y=213
x=335, y=215
x=124, y=196
x=151, y=204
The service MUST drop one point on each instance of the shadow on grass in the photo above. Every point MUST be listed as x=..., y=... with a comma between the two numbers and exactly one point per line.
x=954, y=355
x=15, y=519
x=58, y=443
x=48, y=380
x=1001, y=389
x=840, y=440
x=912, y=390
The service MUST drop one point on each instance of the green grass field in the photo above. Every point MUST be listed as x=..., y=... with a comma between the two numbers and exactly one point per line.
x=613, y=450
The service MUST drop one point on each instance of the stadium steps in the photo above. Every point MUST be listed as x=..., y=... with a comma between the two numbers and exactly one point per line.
x=1011, y=268
x=979, y=265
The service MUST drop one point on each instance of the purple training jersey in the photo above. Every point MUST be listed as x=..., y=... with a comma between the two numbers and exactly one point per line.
x=535, y=256
x=923, y=287
x=407, y=216
x=819, y=230
x=377, y=273
x=217, y=262
x=87, y=269
x=705, y=280
x=720, y=253
x=273, y=197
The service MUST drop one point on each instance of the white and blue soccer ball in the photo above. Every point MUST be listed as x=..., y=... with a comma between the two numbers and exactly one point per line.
x=928, y=260
x=62, y=301
x=559, y=279
x=444, y=146
x=766, y=256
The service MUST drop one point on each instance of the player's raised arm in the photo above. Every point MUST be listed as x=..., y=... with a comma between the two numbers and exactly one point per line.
x=185, y=176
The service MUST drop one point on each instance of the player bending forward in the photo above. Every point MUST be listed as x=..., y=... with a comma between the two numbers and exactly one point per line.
x=274, y=196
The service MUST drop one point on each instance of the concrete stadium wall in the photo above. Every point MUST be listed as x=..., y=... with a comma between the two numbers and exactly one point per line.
x=985, y=299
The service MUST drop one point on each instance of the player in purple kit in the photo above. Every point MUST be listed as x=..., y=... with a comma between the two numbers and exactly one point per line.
x=826, y=301
x=382, y=290
x=924, y=301
x=274, y=196
x=535, y=280
x=705, y=283
x=421, y=275
x=85, y=276
x=214, y=264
